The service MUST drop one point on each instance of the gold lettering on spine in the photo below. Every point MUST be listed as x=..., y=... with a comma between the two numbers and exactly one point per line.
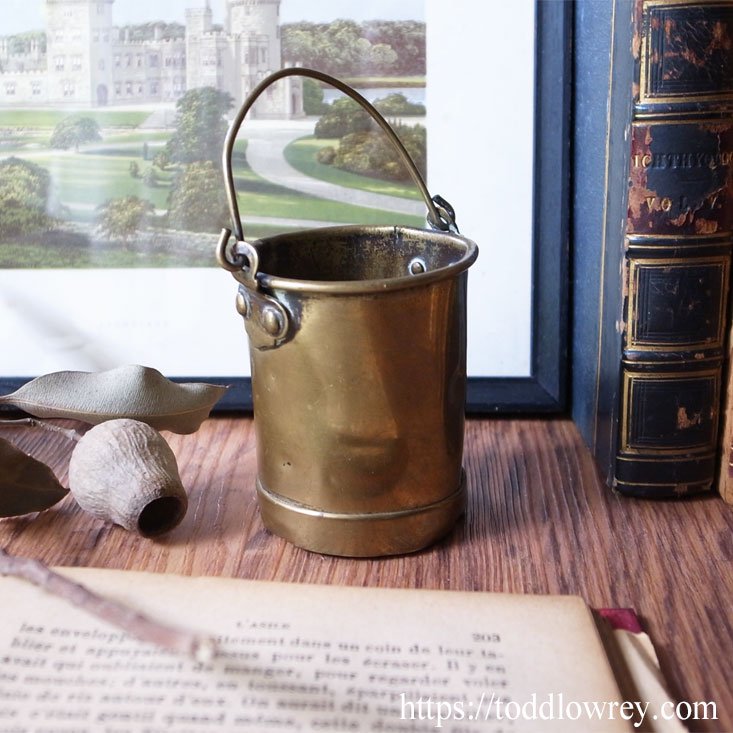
x=665, y=203
x=675, y=161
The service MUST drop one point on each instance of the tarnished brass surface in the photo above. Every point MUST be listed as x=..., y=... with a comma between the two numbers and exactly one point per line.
x=358, y=352
x=361, y=409
x=368, y=534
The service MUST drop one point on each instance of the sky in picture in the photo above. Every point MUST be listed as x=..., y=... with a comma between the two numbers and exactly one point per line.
x=17, y=16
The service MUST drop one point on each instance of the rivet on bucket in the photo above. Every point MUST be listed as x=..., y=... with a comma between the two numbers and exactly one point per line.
x=417, y=266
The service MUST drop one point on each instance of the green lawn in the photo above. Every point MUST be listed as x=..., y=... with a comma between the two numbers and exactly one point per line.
x=301, y=154
x=388, y=82
x=82, y=180
x=12, y=141
x=17, y=141
x=49, y=118
x=159, y=137
x=261, y=198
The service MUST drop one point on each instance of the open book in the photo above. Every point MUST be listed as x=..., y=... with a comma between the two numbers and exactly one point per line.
x=320, y=658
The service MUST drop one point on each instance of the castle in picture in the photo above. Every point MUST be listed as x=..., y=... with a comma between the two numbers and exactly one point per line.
x=87, y=61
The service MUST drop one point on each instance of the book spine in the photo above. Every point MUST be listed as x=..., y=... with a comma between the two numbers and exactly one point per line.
x=677, y=248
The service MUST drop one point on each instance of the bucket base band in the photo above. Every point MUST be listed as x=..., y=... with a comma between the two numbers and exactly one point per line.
x=355, y=534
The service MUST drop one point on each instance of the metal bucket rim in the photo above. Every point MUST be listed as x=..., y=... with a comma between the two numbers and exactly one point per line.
x=358, y=287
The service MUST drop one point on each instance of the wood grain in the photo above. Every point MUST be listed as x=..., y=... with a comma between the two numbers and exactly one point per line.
x=539, y=521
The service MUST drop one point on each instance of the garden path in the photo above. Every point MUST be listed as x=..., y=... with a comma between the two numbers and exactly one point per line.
x=266, y=143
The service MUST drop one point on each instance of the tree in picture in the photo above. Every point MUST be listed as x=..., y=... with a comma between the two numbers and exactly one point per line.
x=197, y=201
x=346, y=48
x=200, y=126
x=24, y=197
x=72, y=132
x=123, y=218
x=363, y=149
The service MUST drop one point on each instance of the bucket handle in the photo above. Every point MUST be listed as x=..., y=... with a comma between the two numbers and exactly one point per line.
x=242, y=255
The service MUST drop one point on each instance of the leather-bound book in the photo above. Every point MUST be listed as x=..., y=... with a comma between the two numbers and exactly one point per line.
x=653, y=206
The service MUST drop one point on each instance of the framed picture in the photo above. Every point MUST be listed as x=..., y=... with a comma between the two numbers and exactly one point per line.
x=107, y=254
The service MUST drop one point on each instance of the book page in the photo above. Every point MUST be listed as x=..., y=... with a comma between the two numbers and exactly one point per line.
x=301, y=658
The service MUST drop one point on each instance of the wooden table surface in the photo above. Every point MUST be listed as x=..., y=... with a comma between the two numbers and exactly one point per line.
x=539, y=521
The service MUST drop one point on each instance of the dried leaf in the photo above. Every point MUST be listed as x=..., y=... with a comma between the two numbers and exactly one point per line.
x=26, y=485
x=134, y=391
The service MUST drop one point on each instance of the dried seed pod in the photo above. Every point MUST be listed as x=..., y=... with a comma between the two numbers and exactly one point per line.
x=123, y=471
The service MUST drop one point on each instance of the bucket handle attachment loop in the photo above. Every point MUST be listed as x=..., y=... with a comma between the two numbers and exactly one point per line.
x=440, y=217
x=239, y=257
x=267, y=321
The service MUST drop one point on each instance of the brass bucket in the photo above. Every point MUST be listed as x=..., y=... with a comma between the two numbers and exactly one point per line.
x=357, y=341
